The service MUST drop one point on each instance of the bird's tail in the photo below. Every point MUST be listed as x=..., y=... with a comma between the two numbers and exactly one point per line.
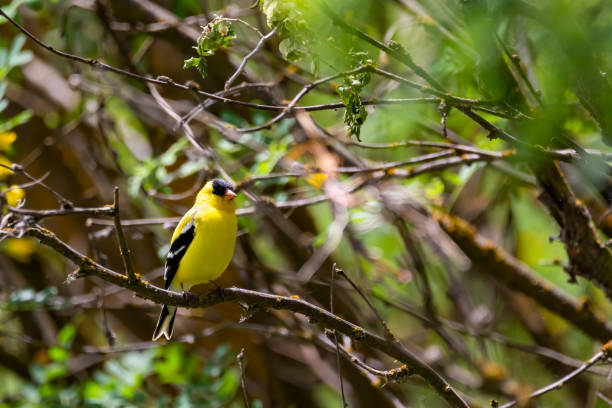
x=165, y=324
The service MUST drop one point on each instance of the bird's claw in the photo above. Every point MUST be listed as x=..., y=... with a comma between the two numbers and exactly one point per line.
x=183, y=292
x=218, y=289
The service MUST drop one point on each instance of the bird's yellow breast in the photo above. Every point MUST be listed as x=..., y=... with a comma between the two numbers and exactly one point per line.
x=211, y=250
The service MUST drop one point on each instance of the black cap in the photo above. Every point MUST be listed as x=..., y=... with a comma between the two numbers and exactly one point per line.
x=220, y=187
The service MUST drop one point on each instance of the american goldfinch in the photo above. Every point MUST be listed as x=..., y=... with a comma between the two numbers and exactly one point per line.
x=202, y=246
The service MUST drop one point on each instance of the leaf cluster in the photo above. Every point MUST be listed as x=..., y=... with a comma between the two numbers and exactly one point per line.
x=355, y=114
x=293, y=26
x=128, y=380
x=215, y=35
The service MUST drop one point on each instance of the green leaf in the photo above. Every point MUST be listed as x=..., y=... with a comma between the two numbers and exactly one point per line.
x=66, y=335
x=355, y=113
x=15, y=56
x=168, y=158
x=215, y=35
x=58, y=354
x=192, y=62
x=292, y=48
x=229, y=384
x=3, y=102
x=434, y=188
x=54, y=371
x=94, y=391
x=289, y=14
x=170, y=367
x=187, y=169
x=152, y=174
x=11, y=8
x=19, y=119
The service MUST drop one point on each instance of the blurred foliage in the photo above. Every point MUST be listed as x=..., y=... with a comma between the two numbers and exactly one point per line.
x=544, y=68
x=29, y=299
x=11, y=56
x=133, y=379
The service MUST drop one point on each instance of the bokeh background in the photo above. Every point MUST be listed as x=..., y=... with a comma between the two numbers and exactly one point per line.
x=540, y=68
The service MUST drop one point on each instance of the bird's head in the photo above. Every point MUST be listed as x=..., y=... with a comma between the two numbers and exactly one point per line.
x=217, y=193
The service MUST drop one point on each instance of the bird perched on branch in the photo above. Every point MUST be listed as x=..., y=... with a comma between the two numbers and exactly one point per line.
x=202, y=246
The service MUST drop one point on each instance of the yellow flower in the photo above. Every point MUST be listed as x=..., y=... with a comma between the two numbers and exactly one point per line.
x=4, y=172
x=20, y=249
x=316, y=179
x=14, y=195
x=6, y=140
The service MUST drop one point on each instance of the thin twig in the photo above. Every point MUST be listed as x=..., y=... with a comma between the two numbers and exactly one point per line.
x=245, y=395
x=331, y=310
x=488, y=335
x=435, y=165
x=17, y=168
x=395, y=374
x=336, y=230
x=204, y=151
x=448, y=98
x=307, y=88
x=206, y=103
x=600, y=355
x=604, y=398
x=425, y=143
x=396, y=52
x=246, y=59
x=512, y=273
x=162, y=80
x=166, y=81
x=189, y=20
x=108, y=331
x=515, y=61
x=241, y=21
x=40, y=214
x=401, y=55
x=388, y=333
x=29, y=183
x=125, y=252
x=390, y=165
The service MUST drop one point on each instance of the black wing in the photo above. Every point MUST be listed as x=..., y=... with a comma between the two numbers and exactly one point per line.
x=177, y=251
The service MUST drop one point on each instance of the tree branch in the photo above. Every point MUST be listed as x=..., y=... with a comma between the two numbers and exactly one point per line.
x=588, y=255
x=246, y=59
x=603, y=353
x=517, y=276
x=253, y=300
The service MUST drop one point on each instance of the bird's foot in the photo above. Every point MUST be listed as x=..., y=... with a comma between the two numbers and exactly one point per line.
x=218, y=289
x=183, y=292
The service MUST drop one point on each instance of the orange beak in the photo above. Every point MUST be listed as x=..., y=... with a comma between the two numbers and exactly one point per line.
x=229, y=195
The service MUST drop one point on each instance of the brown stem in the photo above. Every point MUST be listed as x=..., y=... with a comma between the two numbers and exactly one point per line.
x=125, y=251
x=512, y=273
x=252, y=299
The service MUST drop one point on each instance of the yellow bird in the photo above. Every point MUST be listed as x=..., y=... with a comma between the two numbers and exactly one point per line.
x=202, y=246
